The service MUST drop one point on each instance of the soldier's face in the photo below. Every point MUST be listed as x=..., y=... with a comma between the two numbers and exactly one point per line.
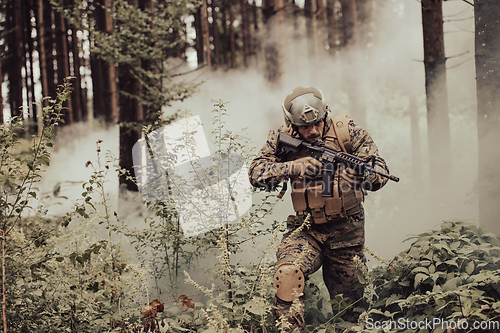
x=313, y=131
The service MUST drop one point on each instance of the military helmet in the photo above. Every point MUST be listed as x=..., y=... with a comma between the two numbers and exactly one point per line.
x=304, y=106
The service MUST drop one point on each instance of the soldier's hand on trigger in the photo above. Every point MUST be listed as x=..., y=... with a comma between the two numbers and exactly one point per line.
x=305, y=167
x=353, y=178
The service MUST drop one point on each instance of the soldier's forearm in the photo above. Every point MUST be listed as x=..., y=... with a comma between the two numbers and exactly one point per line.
x=268, y=174
x=376, y=181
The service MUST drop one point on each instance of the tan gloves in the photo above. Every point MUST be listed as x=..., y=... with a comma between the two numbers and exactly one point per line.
x=352, y=178
x=308, y=167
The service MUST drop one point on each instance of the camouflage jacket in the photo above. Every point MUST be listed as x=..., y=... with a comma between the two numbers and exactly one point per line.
x=267, y=170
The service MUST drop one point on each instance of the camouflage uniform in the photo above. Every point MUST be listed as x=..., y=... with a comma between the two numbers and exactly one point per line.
x=333, y=244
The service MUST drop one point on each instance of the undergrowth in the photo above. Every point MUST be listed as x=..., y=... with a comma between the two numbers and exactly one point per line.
x=71, y=274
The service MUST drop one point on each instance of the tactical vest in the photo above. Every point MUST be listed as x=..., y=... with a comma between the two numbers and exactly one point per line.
x=306, y=193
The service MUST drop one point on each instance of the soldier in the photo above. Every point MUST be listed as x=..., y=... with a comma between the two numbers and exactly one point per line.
x=336, y=232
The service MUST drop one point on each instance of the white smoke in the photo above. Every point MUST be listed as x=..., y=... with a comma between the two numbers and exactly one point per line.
x=393, y=61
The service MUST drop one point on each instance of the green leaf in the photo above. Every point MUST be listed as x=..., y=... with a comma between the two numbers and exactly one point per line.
x=419, y=278
x=420, y=270
x=451, y=284
x=392, y=299
x=452, y=262
x=228, y=305
x=481, y=277
x=470, y=268
x=436, y=289
x=404, y=283
x=424, y=263
x=44, y=160
x=435, y=276
x=376, y=311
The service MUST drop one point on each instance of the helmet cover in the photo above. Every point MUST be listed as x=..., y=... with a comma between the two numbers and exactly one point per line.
x=304, y=106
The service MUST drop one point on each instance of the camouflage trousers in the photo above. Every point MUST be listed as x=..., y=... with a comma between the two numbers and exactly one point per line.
x=332, y=246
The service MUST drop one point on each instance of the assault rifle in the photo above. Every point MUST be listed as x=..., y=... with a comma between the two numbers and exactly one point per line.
x=330, y=157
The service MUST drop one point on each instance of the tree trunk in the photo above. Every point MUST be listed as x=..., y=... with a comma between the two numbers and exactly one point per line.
x=180, y=48
x=437, y=95
x=349, y=23
x=131, y=118
x=320, y=24
x=199, y=36
x=206, y=34
x=487, y=49
x=254, y=16
x=247, y=38
x=352, y=62
x=232, y=42
x=150, y=108
x=215, y=33
x=320, y=11
x=330, y=19
x=42, y=53
x=310, y=29
x=97, y=87
x=274, y=43
x=16, y=56
x=76, y=96
x=27, y=19
x=63, y=61
x=104, y=73
x=365, y=10
x=49, y=48
x=225, y=36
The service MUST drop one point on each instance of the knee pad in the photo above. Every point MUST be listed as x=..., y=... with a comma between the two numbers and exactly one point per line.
x=287, y=278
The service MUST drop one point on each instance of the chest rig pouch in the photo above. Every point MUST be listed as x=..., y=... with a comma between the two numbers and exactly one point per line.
x=306, y=192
